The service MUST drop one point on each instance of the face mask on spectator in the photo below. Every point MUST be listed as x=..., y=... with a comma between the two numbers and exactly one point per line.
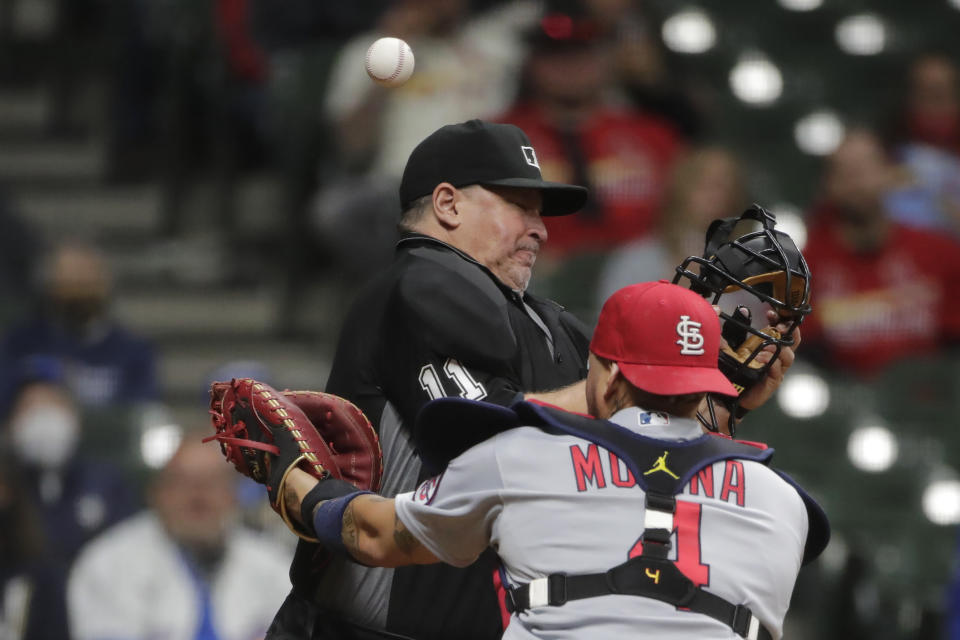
x=45, y=436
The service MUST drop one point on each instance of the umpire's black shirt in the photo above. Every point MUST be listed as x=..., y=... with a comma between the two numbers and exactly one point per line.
x=436, y=323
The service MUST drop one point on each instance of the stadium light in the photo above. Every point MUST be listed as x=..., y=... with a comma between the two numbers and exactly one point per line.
x=803, y=395
x=755, y=80
x=941, y=501
x=790, y=221
x=801, y=5
x=872, y=448
x=689, y=31
x=863, y=34
x=158, y=442
x=819, y=133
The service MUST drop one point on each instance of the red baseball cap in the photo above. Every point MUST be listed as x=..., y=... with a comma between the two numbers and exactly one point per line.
x=664, y=338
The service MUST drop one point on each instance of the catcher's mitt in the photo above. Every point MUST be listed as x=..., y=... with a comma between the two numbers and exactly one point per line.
x=747, y=349
x=265, y=434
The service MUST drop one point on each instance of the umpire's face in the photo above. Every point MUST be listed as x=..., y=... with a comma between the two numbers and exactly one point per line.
x=501, y=228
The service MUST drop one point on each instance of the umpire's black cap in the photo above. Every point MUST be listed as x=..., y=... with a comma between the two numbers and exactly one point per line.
x=485, y=153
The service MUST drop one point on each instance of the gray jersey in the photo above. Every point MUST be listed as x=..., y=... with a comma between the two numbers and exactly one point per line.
x=552, y=503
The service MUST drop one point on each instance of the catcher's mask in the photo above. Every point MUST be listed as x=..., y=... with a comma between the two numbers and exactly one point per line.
x=748, y=269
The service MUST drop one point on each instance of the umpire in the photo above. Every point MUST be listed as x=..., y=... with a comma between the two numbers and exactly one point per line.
x=450, y=317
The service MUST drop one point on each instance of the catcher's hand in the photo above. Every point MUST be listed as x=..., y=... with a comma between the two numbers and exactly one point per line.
x=265, y=434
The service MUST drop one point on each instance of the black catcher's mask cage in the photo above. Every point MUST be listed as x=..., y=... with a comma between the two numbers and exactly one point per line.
x=748, y=268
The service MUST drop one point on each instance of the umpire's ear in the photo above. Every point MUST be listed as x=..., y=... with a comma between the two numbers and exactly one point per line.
x=445, y=205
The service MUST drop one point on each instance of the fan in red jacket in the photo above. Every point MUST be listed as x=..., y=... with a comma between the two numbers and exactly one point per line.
x=881, y=291
x=583, y=137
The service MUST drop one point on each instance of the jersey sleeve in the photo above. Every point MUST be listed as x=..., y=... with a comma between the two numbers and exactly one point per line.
x=448, y=334
x=453, y=514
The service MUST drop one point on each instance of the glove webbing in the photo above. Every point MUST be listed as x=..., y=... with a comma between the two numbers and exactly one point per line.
x=649, y=575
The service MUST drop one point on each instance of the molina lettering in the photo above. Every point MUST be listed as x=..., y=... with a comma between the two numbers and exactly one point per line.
x=734, y=482
x=587, y=467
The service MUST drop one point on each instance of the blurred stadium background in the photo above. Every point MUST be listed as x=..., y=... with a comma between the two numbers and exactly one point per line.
x=126, y=124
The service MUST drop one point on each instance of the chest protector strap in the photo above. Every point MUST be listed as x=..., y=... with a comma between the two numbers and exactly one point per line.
x=662, y=469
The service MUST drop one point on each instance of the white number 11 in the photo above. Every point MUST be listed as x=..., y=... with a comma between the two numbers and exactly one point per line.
x=469, y=388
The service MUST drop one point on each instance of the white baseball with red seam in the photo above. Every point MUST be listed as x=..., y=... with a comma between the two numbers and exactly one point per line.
x=389, y=62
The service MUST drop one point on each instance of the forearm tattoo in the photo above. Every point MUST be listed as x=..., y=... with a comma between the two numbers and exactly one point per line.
x=350, y=534
x=402, y=536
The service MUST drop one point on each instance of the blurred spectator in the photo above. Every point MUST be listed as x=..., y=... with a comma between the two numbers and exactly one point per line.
x=583, y=135
x=931, y=111
x=182, y=569
x=707, y=183
x=881, y=291
x=926, y=140
x=643, y=66
x=77, y=496
x=103, y=363
x=32, y=598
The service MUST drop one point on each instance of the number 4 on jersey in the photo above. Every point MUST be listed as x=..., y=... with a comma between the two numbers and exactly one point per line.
x=687, y=528
x=469, y=388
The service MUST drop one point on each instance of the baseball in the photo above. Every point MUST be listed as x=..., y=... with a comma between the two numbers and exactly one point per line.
x=389, y=62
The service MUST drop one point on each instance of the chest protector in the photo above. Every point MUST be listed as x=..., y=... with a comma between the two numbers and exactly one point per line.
x=662, y=468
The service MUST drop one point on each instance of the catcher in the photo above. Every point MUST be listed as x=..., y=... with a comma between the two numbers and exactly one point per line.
x=699, y=536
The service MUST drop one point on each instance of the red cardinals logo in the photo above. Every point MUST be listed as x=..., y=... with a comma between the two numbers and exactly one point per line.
x=427, y=490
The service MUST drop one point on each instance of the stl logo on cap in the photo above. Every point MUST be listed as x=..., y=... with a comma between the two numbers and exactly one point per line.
x=530, y=156
x=691, y=340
